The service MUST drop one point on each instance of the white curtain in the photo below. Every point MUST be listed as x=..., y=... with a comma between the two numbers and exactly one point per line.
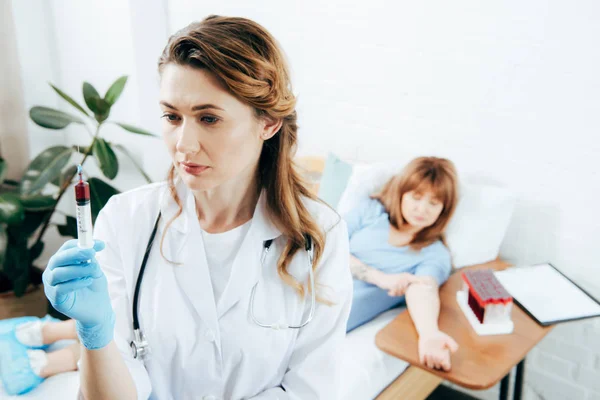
x=14, y=146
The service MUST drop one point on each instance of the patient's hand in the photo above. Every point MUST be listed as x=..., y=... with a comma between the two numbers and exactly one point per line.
x=435, y=349
x=397, y=284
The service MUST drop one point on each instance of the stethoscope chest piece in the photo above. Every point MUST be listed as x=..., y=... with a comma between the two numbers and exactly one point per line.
x=139, y=346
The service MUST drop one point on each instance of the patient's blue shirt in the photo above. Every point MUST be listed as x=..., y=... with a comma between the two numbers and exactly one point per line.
x=368, y=232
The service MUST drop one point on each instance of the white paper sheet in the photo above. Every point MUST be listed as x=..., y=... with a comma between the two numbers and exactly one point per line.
x=547, y=294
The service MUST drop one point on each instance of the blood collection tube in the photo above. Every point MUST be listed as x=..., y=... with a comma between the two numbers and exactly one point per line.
x=85, y=238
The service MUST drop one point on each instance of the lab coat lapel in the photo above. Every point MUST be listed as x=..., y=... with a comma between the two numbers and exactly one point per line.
x=186, y=247
x=246, y=268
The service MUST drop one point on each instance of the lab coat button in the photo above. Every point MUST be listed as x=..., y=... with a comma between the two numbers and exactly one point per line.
x=210, y=336
x=209, y=397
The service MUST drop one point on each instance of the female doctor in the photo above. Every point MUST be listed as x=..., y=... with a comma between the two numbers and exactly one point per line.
x=218, y=322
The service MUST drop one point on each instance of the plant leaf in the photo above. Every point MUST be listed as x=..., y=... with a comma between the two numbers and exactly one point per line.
x=69, y=99
x=35, y=251
x=38, y=203
x=115, y=90
x=68, y=175
x=11, y=209
x=3, y=168
x=135, y=129
x=3, y=244
x=65, y=175
x=99, y=107
x=106, y=158
x=80, y=149
x=102, y=116
x=69, y=228
x=124, y=150
x=89, y=95
x=44, y=168
x=52, y=119
x=33, y=220
x=16, y=262
x=22, y=281
x=100, y=193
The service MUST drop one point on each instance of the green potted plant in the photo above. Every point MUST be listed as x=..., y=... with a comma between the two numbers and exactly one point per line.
x=26, y=206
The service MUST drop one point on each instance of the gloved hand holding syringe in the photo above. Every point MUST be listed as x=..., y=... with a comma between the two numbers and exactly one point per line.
x=74, y=282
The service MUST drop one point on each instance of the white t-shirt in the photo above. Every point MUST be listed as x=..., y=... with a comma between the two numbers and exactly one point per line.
x=221, y=249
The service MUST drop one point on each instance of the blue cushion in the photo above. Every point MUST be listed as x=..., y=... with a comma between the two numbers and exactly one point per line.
x=334, y=180
x=10, y=325
x=15, y=370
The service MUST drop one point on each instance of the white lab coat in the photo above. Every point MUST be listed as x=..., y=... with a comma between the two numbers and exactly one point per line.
x=205, y=351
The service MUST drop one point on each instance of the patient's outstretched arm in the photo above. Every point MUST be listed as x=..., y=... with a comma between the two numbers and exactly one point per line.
x=394, y=284
x=363, y=272
x=423, y=303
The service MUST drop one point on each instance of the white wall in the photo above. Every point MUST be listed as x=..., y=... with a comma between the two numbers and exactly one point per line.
x=508, y=90
x=69, y=42
x=14, y=143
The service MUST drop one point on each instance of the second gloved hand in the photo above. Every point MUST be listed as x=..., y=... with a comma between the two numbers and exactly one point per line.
x=76, y=286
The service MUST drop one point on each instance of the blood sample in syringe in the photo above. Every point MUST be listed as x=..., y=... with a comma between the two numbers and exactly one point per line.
x=85, y=238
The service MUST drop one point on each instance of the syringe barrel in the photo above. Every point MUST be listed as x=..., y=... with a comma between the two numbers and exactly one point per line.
x=82, y=192
x=85, y=238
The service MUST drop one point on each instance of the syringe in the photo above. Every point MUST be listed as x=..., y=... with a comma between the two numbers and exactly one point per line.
x=85, y=238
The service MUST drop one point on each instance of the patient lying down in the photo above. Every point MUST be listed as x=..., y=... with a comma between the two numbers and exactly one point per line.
x=398, y=255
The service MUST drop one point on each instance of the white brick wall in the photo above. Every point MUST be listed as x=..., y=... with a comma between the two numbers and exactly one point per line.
x=567, y=357
x=555, y=365
x=552, y=387
x=564, y=365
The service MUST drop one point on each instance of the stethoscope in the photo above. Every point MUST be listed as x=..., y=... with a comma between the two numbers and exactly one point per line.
x=139, y=344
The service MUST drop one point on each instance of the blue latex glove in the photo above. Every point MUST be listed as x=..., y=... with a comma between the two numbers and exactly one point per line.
x=77, y=287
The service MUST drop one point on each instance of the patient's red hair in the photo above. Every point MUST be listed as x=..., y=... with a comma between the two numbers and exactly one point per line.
x=422, y=174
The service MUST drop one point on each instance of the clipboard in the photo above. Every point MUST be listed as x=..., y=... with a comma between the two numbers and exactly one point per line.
x=547, y=295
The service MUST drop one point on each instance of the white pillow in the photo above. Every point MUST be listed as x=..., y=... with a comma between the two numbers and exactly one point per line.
x=477, y=228
x=364, y=180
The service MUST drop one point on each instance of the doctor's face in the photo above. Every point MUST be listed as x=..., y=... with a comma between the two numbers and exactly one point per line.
x=212, y=136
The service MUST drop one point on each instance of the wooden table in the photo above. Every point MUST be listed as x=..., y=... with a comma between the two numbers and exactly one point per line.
x=481, y=361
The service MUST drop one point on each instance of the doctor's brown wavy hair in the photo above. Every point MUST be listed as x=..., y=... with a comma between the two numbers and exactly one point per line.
x=249, y=63
x=422, y=174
